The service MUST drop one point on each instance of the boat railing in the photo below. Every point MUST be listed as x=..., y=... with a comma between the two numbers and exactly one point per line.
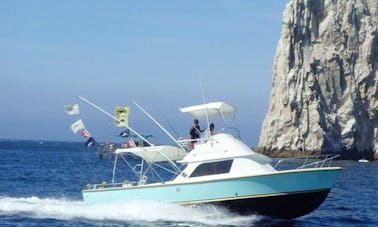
x=105, y=185
x=234, y=131
x=317, y=161
x=187, y=143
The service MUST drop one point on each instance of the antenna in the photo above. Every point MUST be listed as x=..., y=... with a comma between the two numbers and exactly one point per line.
x=207, y=114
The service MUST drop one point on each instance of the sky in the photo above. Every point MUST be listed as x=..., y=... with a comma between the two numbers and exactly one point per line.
x=157, y=53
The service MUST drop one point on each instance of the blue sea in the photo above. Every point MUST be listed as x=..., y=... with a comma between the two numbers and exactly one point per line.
x=41, y=183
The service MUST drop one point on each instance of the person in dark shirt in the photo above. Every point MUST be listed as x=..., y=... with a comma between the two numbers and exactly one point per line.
x=212, y=131
x=194, y=133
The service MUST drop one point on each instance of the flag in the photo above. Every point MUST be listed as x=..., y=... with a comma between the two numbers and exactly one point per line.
x=85, y=133
x=125, y=133
x=146, y=136
x=72, y=109
x=77, y=126
x=122, y=116
x=90, y=142
x=131, y=143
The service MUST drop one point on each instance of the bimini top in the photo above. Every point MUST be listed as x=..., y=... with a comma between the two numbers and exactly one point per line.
x=210, y=109
x=153, y=154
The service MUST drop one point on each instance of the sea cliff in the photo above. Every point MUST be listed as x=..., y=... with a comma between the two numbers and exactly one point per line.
x=325, y=90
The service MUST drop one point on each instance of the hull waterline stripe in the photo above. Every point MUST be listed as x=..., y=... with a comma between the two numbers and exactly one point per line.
x=251, y=196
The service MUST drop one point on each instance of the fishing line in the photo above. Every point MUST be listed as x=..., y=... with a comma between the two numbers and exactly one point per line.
x=82, y=176
x=90, y=167
x=169, y=123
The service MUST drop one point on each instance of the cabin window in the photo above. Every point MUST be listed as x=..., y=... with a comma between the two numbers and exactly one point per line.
x=212, y=168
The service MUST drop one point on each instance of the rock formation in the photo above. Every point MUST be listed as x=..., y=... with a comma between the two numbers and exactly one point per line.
x=324, y=95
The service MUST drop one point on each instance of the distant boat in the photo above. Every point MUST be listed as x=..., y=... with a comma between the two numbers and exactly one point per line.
x=106, y=151
x=363, y=160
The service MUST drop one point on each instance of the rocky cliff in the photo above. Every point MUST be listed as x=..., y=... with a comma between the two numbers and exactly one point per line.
x=324, y=95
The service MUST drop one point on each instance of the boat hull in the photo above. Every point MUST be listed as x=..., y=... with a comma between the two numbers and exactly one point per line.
x=283, y=194
x=286, y=206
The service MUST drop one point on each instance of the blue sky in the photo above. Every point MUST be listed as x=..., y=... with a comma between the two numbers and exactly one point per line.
x=154, y=52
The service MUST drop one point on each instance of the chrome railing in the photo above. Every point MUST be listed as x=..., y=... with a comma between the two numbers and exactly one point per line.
x=317, y=161
x=105, y=185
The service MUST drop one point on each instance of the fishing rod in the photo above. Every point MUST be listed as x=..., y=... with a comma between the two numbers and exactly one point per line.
x=158, y=124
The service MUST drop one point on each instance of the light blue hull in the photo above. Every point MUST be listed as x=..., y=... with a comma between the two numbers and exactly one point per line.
x=275, y=184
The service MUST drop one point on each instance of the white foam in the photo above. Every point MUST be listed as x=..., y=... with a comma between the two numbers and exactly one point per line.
x=63, y=209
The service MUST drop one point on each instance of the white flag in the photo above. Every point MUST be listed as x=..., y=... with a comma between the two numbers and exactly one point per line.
x=72, y=109
x=77, y=126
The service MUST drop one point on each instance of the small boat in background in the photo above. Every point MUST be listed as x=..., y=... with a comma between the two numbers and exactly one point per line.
x=106, y=151
x=363, y=160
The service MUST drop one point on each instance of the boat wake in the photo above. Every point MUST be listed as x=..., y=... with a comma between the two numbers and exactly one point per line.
x=131, y=212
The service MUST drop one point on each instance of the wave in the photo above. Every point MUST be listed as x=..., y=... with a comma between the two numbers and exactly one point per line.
x=130, y=212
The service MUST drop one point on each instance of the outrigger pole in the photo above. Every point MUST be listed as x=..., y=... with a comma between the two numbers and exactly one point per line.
x=170, y=136
x=102, y=110
x=158, y=124
x=132, y=130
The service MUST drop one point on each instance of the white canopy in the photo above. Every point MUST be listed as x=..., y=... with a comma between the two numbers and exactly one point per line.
x=155, y=153
x=210, y=109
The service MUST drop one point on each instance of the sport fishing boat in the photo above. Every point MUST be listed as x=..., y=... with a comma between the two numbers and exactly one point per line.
x=220, y=170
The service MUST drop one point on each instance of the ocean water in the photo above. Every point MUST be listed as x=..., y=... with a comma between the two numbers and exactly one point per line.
x=41, y=183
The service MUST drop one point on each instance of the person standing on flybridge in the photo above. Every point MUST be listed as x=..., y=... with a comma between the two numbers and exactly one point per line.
x=212, y=129
x=194, y=133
